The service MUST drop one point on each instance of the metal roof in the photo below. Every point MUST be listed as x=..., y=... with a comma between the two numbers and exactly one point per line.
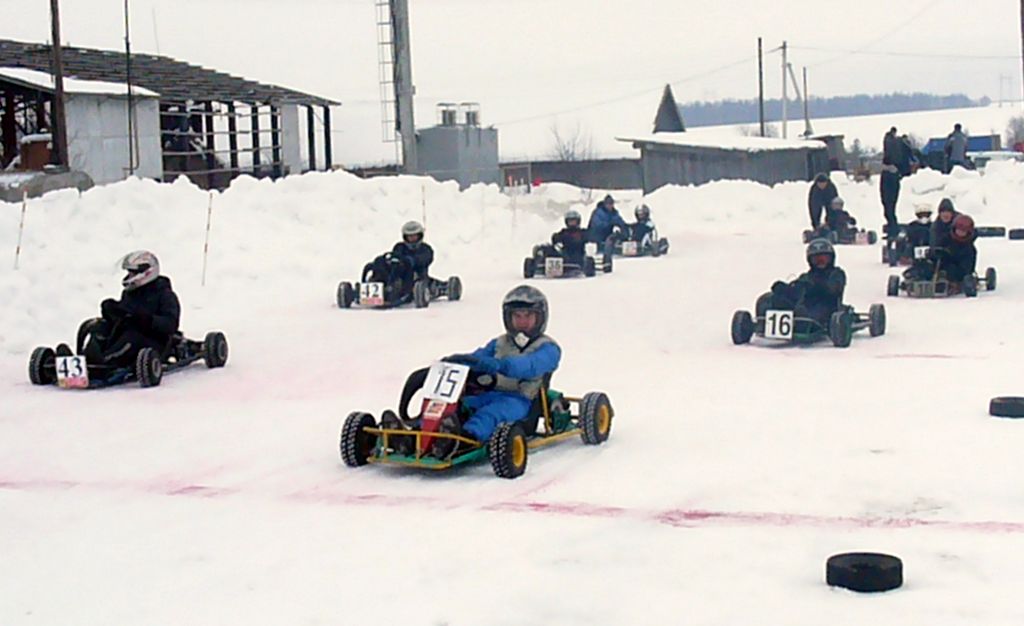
x=174, y=80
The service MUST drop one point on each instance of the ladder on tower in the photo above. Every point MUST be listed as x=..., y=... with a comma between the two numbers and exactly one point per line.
x=386, y=70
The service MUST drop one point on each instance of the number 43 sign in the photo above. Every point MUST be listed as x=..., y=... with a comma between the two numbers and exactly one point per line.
x=72, y=372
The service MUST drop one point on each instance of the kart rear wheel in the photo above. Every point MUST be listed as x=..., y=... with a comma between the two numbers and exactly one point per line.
x=41, y=368
x=840, y=330
x=864, y=571
x=595, y=418
x=454, y=288
x=893, y=288
x=742, y=327
x=589, y=267
x=1016, y=234
x=355, y=444
x=872, y=237
x=1006, y=406
x=346, y=295
x=876, y=319
x=149, y=370
x=215, y=349
x=507, y=450
x=606, y=265
x=990, y=279
x=421, y=294
x=970, y=286
x=529, y=267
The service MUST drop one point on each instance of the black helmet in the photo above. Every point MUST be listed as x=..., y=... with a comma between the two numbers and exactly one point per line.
x=573, y=214
x=524, y=297
x=642, y=212
x=818, y=247
x=821, y=178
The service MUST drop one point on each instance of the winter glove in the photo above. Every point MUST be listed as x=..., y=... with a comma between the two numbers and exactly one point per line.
x=779, y=287
x=486, y=365
x=112, y=309
x=462, y=359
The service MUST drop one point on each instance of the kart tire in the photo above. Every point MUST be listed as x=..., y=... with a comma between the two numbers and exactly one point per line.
x=990, y=231
x=807, y=236
x=421, y=294
x=215, y=349
x=1016, y=234
x=876, y=319
x=84, y=330
x=990, y=279
x=149, y=370
x=41, y=370
x=589, y=267
x=606, y=265
x=872, y=237
x=1006, y=406
x=893, y=288
x=840, y=331
x=346, y=295
x=507, y=450
x=529, y=267
x=864, y=571
x=356, y=445
x=595, y=421
x=454, y=289
x=742, y=327
x=970, y=286
x=885, y=254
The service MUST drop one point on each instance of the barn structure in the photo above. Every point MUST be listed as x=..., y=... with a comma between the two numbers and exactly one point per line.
x=185, y=119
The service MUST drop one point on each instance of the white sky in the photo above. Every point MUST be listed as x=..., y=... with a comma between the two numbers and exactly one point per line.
x=528, y=59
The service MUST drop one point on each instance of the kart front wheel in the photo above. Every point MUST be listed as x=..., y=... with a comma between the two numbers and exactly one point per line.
x=742, y=327
x=840, y=330
x=346, y=295
x=893, y=288
x=149, y=370
x=507, y=450
x=41, y=370
x=355, y=444
x=215, y=349
x=970, y=286
x=595, y=418
x=529, y=267
x=990, y=279
x=876, y=320
x=454, y=288
x=421, y=294
x=589, y=267
x=872, y=237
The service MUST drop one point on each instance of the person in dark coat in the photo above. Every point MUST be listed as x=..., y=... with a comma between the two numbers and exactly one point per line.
x=889, y=187
x=889, y=144
x=820, y=198
x=569, y=243
x=415, y=254
x=959, y=257
x=817, y=293
x=606, y=226
x=905, y=158
x=941, y=228
x=146, y=316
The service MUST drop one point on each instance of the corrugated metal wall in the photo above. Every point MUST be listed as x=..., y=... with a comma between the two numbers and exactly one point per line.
x=680, y=165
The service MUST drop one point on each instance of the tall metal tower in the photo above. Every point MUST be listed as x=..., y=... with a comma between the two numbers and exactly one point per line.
x=394, y=55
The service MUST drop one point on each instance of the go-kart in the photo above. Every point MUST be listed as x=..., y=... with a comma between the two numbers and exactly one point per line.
x=918, y=282
x=786, y=325
x=553, y=417
x=550, y=262
x=45, y=367
x=849, y=235
x=652, y=246
x=381, y=288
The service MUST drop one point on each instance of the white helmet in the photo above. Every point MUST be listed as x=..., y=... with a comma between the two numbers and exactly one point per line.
x=837, y=204
x=412, y=233
x=142, y=267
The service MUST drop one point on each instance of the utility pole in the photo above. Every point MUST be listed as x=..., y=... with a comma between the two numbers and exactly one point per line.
x=808, y=131
x=403, y=84
x=760, y=83
x=58, y=129
x=128, y=84
x=785, y=79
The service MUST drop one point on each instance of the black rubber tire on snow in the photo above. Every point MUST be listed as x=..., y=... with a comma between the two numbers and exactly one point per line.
x=990, y=279
x=1015, y=233
x=454, y=289
x=595, y=419
x=1006, y=406
x=606, y=266
x=346, y=294
x=840, y=331
x=84, y=330
x=38, y=372
x=421, y=294
x=807, y=236
x=885, y=254
x=589, y=267
x=742, y=327
x=355, y=444
x=876, y=319
x=864, y=571
x=990, y=231
x=872, y=237
x=215, y=349
x=893, y=288
x=149, y=370
x=970, y=286
x=529, y=267
x=507, y=450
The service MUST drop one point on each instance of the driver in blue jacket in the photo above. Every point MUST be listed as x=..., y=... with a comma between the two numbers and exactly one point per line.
x=519, y=359
x=605, y=225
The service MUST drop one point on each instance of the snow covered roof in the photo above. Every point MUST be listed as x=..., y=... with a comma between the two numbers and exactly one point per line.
x=725, y=141
x=44, y=81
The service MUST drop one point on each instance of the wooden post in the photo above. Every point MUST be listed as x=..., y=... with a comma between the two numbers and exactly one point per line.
x=255, y=124
x=275, y=141
x=21, y=226
x=233, y=138
x=57, y=121
x=311, y=137
x=328, y=162
x=206, y=244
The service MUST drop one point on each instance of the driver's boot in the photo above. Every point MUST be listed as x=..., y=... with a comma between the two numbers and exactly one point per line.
x=401, y=444
x=444, y=448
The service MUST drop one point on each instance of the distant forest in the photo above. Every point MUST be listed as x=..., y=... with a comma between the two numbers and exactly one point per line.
x=745, y=111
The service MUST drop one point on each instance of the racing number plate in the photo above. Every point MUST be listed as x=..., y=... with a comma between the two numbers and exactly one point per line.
x=921, y=252
x=778, y=324
x=371, y=294
x=553, y=267
x=72, y=372
x=629, y=248
x=445, y=382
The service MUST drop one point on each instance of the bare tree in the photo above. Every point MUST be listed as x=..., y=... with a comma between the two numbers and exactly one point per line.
x=770, y=130
x=1014, y=131
x=574, y=144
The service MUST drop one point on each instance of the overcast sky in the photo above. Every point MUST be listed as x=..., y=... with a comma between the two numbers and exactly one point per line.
x=585, y=60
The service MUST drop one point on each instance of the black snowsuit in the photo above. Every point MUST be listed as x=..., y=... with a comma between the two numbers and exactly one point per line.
x=816, y=294
x=820, y=199
x=146, y=317
x=903, y=157
x=889, y=187
x=958, y=258
x=918, y=234
x=890, y=146
x=941, y=233
x=400, y=269
x=641, y=230
x=573, y=242
x=416, y=259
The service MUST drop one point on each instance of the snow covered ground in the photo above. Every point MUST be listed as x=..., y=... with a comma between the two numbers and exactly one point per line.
x=731, y=474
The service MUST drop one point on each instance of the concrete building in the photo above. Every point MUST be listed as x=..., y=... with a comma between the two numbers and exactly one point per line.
x=458, y=148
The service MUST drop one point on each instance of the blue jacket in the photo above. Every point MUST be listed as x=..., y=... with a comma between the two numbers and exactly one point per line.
x=534, y=365
x=602, y=221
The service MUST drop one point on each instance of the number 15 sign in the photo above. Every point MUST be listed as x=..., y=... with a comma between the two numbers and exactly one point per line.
x=445, y=381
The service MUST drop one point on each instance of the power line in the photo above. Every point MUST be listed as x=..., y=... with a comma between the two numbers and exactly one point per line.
x=884, y=35
x=925, y=55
